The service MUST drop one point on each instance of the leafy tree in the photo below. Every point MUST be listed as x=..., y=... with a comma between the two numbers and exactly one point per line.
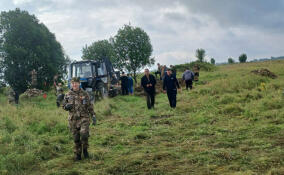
x=243, y=58
x=26, y=45
x=133, y=49
x=200, y=55
x=231, y=60
x=212, y=61
x=98, y=51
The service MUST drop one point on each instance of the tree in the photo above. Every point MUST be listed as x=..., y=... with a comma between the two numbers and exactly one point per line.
x=26, y=45
x=133, y=49
x=200, y=55
x=243, y=58
x=231, y=60
x=212, y=61
x=98, y=51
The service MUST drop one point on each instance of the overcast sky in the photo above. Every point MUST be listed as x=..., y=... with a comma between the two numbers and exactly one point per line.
x=224, y=28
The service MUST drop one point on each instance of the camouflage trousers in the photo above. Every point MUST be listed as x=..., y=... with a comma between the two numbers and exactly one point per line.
x=80, y=132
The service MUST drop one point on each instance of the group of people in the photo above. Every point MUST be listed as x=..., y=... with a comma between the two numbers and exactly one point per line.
x=81, y=112
x=126, y=84
x=170, y=84
x=162, y=71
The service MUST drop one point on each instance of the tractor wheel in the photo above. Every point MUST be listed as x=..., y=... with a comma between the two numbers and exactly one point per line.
x=92, y=96
x=102, y=90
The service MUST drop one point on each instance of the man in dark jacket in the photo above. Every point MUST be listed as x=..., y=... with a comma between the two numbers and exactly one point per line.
x=174, y=72
x=124, y=84
x=148, y=82
x=170, y=86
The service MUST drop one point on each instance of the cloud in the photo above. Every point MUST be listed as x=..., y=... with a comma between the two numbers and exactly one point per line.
x=174, y=57
x=19, y=2
x=261, y=14
x=176, y=28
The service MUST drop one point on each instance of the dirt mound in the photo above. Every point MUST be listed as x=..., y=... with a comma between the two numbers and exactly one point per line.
x=33, y=93
x=264, y=72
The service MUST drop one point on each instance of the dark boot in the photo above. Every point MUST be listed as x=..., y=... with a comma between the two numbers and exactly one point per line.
x=77, y=157
x=86, y=154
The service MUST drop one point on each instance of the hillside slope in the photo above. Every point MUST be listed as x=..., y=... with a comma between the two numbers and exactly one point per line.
x=231, y=123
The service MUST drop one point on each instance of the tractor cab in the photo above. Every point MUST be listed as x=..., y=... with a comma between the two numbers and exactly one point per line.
x=95, y=76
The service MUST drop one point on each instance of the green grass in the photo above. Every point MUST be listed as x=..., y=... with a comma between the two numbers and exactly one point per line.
x=228, y=124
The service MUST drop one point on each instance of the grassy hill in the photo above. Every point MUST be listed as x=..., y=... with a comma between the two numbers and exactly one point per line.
x=231, y=123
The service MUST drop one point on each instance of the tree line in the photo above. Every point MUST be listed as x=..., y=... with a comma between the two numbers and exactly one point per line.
x=200, y=55
x=27, y=46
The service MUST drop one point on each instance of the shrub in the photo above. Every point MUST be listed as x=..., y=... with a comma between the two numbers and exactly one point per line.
x=204, y=66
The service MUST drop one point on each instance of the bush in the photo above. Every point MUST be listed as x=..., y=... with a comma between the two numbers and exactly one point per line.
x=204, y=66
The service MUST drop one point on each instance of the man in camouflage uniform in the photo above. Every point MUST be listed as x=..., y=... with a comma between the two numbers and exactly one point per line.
x=59, y=94
x=11, y=97
x=34, y=78
x=78, y=103
x=196, y=69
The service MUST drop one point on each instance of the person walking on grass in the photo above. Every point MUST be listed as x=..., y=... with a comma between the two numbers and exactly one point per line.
x=158, y=72
x=148, y=82
x=174, y=72
x=124, y=84
x=170, y=86
x=188, y=77
x=130, y=84
x=164, y=71
x=196, y=69
x=59, y=94
x=80, y=108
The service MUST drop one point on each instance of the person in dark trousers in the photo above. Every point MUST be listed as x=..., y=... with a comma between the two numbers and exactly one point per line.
x=164, y=71
x=130, y=84
x=148, y=82
x=158, y=72
x=188, y=77
x=124, y=84
x=170, y=86
x=196, y=69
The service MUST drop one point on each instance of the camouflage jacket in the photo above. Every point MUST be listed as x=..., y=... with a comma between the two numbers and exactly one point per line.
x=82, y=107
x=59, y=90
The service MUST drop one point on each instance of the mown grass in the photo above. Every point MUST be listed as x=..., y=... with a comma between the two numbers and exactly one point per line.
x=230, y=123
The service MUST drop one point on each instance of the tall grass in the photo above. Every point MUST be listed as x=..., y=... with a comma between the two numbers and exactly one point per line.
x=231, y=123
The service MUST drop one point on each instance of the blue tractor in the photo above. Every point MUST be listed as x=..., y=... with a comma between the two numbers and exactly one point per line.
x=98, y=78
